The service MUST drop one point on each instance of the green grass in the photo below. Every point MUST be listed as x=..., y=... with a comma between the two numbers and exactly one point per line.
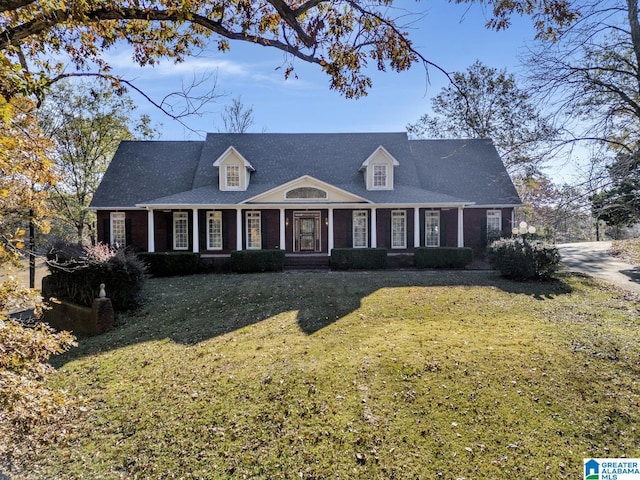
x=381, y=375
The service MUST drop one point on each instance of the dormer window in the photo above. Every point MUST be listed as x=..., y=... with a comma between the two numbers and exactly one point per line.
x=232, y=176
x=379, y=175
x=378, y=170
x=234, y=171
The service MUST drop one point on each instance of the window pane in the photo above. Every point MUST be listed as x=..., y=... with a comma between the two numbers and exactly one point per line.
x=360, y=229
x=180, y=231
x=233, y=176
x=254, y=236
x=494, y=223
x=379, y=175
x=398, y=229
x=214, y=230
x=432, y=229
x=118, y=229
x=305, y=192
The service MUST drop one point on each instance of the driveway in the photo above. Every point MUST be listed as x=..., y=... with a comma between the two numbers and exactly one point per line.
x=593, y=258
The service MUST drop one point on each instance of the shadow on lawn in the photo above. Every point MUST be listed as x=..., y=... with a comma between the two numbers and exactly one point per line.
x=192, y=309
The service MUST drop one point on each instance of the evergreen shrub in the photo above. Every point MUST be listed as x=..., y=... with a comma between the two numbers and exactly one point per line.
x=171, y=264
x=77, y=280
x=522, y=259
x=248, y=261
x=358, y=258
x=443, y=257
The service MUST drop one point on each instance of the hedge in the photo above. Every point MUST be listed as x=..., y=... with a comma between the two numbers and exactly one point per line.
x=171, y=264
x=78, y=281
x=247, y=261
x=358, y=258
x=443, y=257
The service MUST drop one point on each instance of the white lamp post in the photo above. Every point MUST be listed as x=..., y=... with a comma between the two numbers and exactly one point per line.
x=523, y=228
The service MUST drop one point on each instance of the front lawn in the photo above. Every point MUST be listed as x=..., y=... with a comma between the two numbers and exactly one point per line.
x=347, y=375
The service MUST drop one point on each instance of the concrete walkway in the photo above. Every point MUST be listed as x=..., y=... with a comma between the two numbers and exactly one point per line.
x=594, y=259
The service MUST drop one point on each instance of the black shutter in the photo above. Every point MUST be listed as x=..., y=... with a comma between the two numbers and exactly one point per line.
x=263, y=230
x=106, y=234
x=203, y=228
x=128, y=232
x=387, y=222
x=226, y=224
x=350, y=228
x=483, y=231
x=443, y=230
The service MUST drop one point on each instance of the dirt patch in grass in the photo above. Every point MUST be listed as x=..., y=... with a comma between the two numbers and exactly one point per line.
x=627, y=250
x=356, y=375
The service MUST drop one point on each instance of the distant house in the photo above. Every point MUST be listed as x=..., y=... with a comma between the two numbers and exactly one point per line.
x=304, y=193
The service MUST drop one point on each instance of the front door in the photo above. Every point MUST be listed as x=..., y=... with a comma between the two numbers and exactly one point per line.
x=306, y=231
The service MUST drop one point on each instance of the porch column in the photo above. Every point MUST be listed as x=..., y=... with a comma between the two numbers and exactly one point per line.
x=416, y=227
x=374, y=229
x=330, y=227
x=151, y=231
x=239, y=229
x=196, y=232
x=460, y=227
x=283, y=232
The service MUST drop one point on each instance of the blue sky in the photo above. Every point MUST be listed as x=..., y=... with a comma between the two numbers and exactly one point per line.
x=452, y=36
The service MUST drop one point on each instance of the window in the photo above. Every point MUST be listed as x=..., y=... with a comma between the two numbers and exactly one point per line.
x=379, y=175
x=432, y=228
x=360, y=229
x=254, y=236
x=305, y=193
x=118, y=229
x=232, y=176
x=398, y=229
x=180, y=230
x=494, y=224
x=214, y=230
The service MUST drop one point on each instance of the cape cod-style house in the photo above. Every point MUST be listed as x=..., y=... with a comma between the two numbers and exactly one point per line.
x=303, y=193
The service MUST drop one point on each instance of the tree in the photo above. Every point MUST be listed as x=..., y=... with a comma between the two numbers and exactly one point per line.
x=25, y=172
x=484, y=102
x=590, y=76
x=30, y=412
x=86, y=123
x=236, y=117
x=619, y=204
x=340, y=37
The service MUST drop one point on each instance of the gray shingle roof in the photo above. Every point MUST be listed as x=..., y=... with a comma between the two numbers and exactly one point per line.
x=143, y=170
x=182, y=173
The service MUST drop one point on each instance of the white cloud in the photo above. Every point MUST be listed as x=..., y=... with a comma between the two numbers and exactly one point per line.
x=122, y=64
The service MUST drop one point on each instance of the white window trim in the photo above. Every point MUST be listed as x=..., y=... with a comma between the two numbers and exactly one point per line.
x=179, y=217
x=213, y=216
x=226, y=177
x=384, y=186
x=492, y=214
x=431, y=214
x=403, y=215
x=364, y=214
x=253, y=215
x=116, y=217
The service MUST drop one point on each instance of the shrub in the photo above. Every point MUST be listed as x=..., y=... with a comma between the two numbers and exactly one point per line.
x=443, y=257
x=358, y=258
x=522, y=259
x=170, y=264
x=246, y=261
x=78, y=280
